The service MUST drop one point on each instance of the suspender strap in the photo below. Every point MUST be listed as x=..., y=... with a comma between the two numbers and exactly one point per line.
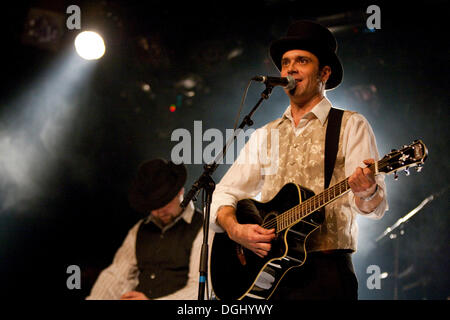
x=332, y=142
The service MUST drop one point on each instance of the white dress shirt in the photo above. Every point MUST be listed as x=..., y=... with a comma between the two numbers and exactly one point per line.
x=244, y=179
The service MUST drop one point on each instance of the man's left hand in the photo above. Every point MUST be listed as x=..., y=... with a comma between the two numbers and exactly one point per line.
x=362, y=181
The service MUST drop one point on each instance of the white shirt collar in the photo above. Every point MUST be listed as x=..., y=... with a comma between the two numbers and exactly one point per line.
x=320, y=111
x=186, y=215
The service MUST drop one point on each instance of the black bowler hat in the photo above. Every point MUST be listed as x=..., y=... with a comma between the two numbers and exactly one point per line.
x=315, y=38
x=156, y=183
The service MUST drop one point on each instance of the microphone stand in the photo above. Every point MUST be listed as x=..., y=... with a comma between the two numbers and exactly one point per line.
x=208, y=185
x=395, y=236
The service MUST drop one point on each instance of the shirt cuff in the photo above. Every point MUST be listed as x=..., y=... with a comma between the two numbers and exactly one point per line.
x=215, y=206
x=378, y=212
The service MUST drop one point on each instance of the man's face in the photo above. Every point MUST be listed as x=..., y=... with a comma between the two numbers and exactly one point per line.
x=304, y=67
x=170, y=211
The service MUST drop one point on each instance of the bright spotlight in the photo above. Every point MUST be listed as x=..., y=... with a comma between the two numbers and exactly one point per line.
x=89, y=45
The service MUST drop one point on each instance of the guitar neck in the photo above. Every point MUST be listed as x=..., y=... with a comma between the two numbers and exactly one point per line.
x=310, y=205
x=314, y=203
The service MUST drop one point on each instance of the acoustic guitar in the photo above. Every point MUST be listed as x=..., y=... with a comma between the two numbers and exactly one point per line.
x=295, y=212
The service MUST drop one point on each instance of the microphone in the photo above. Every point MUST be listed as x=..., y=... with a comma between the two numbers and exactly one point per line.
x=286, y=82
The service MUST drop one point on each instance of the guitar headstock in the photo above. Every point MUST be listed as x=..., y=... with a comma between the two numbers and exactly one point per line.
x=410, y=156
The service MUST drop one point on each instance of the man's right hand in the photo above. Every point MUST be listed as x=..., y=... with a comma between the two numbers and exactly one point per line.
x=251, y=236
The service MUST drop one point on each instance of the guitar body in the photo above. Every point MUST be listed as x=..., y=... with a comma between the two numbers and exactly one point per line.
x=238, y=273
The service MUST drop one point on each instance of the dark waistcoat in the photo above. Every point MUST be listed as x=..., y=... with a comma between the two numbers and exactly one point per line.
x=163, y=257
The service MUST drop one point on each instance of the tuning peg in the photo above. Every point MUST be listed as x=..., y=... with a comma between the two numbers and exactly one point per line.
x=419, y=168
x=407, y=171
x=395, y=176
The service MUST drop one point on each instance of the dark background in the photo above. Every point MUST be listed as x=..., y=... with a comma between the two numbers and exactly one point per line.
x=69, y=148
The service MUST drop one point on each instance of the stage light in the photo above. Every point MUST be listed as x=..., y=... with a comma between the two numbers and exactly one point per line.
x=89, y=45
x=145, y=87
x=172, y=108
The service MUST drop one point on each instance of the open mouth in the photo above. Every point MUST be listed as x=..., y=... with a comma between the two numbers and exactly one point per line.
x=292, y=91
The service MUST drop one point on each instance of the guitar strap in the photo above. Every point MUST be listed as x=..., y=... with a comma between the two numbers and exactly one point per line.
x=332, y=142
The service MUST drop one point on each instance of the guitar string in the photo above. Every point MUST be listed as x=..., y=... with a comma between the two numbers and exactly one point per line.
x=283, y=220
x=299, y=210
x=287, y=218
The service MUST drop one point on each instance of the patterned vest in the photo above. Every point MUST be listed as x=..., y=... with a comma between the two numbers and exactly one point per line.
x=163, y=258
x=301, y=160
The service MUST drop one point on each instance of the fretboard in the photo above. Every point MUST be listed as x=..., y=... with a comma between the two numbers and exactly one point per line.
x=314, y=203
